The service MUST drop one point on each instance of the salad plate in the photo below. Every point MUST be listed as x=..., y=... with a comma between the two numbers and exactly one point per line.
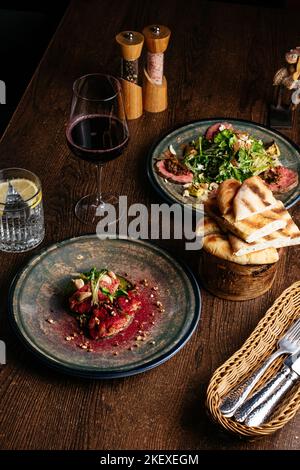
x=202, y=164
x=40, y=314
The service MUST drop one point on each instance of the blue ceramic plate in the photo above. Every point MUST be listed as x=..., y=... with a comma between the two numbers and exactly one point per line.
x=39, y=315
x=290, y=156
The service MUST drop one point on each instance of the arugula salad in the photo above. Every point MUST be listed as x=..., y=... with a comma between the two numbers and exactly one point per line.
x=229, y=155
x=222, y=153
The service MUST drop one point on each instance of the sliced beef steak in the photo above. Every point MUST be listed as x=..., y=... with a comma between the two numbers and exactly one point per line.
x=173, y=170
x=215, y=128
x=280, y=179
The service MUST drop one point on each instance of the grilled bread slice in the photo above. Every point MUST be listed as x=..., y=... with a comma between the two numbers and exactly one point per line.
x=253, y=197
x=217, y=244
x=287, y=236
x=259, y=225
x=253, y=228
x=207, y=226
x=226, y=194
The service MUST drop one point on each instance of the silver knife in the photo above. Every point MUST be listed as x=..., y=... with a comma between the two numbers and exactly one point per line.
x=262, y=394
x=280, y=384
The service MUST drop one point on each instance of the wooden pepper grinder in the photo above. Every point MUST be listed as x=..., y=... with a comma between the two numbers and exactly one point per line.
x=155, y=94
x=131, y=44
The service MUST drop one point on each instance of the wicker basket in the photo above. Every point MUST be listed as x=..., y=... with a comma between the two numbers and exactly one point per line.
x=260, y=344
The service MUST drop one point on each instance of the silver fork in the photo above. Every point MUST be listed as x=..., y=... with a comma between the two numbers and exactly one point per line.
x=288, y=344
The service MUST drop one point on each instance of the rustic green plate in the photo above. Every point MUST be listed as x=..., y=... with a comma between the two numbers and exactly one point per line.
x=290, y=156
x=37, y=297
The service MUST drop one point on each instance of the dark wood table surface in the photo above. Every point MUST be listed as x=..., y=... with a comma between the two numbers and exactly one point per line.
x=220, y=62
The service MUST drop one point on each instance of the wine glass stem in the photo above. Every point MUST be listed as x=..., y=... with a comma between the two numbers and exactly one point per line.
x=99, y=190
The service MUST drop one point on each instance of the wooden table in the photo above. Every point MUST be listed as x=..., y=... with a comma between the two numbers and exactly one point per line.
x=220, y=62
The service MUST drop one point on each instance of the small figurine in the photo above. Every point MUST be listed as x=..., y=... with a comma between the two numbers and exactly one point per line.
x=288, y=77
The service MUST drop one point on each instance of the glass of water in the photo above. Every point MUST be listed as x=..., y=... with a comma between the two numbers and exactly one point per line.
x=21, y=210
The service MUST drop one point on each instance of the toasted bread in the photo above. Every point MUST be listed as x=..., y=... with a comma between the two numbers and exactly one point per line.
x=226, y=194
x=253, y=197
x=218, y=245
x=287, y=236
x=259, y=225
x=254, y=227
x=207, y=226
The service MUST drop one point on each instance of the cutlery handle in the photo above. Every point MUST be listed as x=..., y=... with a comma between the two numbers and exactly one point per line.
x=239, y=394
x=261, y=395
x=263, y=411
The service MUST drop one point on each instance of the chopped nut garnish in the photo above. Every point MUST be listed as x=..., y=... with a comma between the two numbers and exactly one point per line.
x=83, y=346
x=50, y=320
x=139, y=338
x=152, y=342
x=68, y=338
x=159, y=304
x=153, y=323
x=154, y=288
x=151, y=295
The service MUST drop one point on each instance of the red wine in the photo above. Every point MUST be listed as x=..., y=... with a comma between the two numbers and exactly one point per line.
x=97, y=138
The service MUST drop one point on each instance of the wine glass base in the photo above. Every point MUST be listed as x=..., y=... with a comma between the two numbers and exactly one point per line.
x=88, y=210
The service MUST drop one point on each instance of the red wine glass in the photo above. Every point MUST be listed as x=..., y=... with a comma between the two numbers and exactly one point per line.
x=97, y=132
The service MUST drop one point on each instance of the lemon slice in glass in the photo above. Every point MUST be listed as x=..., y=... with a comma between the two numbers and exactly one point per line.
x=3, y=195
x=28, y=191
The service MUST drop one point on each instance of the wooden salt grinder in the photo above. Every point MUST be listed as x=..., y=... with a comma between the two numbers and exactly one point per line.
x=131, y=44
x=155, y=94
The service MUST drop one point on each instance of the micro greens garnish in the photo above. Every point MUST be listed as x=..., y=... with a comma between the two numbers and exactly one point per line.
x=223, y=158
x=94, y=277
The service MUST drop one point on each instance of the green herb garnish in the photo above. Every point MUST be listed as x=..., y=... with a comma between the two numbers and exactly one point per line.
x=222, y=159
x=94, y=277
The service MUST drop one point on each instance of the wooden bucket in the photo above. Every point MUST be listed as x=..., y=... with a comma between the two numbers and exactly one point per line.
x=233, y=281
